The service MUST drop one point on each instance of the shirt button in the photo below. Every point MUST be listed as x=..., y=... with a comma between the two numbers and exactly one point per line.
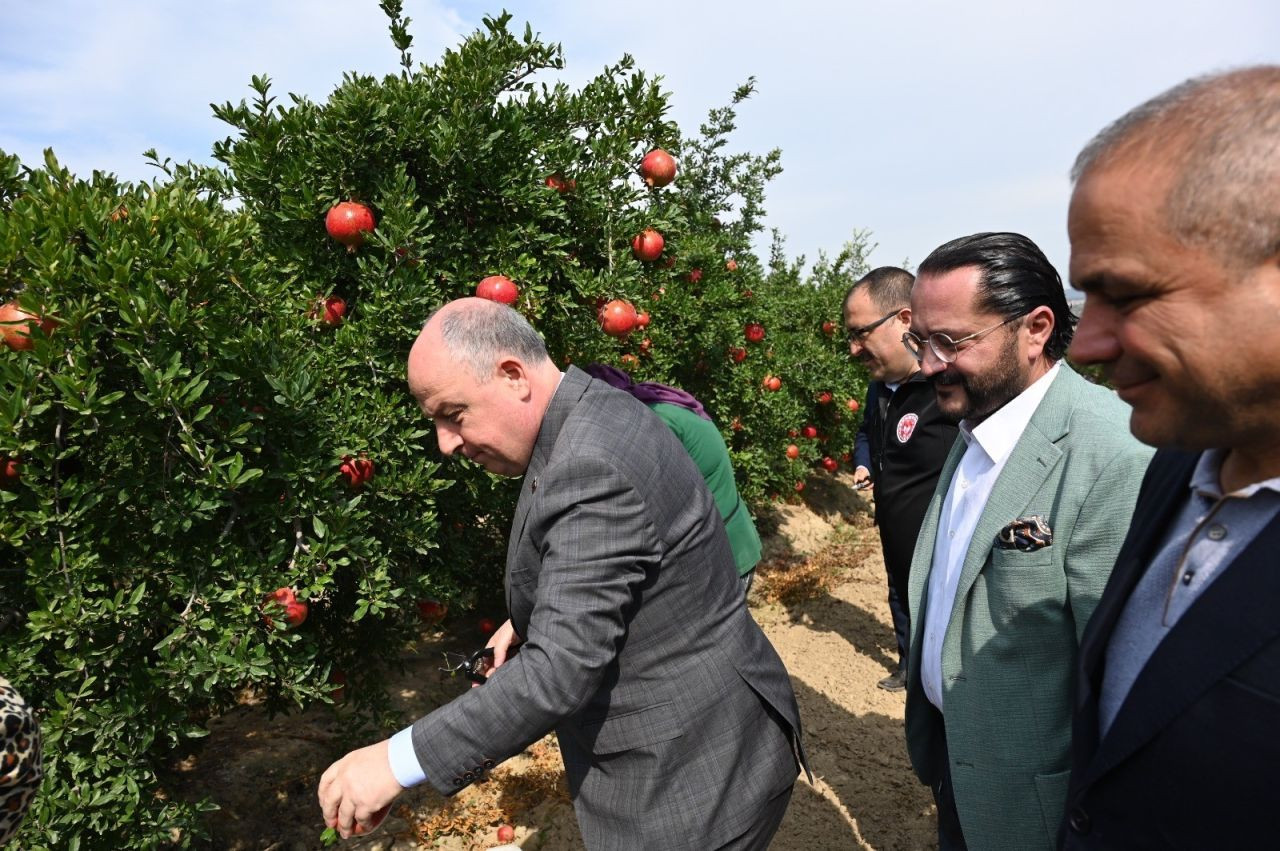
x=1188, y=576
x=1217, y=532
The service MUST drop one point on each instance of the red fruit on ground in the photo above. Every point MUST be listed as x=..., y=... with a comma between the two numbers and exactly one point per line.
x=10, y=472
x=506, y=833
x=799, y=486
x=498, y=288
x=15, y=326
x=830, y=464
x=647, y=245
x=486, y=625
x=754, y=332
x=658, y=168
x=642, y=319
x=793, y=451
x=618, y=318
x=348, y=222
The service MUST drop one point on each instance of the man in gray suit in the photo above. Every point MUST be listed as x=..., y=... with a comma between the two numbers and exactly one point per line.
x=627, y=634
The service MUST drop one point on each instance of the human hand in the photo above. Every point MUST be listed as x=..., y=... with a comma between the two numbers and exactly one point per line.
x=503, y=640
x=862, y=478
x=357, y=791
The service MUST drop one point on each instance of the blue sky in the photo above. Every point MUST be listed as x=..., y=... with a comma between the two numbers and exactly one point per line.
x=921, y=120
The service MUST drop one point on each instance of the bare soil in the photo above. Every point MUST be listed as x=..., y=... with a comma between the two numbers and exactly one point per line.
x=820, y=597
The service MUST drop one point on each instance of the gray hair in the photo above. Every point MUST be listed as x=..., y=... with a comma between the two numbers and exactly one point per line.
x=1220, y=133
x=477, y=334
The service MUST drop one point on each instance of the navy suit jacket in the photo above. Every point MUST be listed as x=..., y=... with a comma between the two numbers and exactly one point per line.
x=1191, y=760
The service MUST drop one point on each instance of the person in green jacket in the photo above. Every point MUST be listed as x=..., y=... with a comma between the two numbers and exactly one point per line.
x=686, y=417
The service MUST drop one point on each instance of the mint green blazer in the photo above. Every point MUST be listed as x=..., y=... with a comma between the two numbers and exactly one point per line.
x=1009, y=651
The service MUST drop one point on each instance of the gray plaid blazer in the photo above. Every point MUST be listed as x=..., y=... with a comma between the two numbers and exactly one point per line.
x=675, y=716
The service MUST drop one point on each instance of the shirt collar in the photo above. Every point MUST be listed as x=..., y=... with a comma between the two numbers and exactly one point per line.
x=1207, y=478
x=999, y=433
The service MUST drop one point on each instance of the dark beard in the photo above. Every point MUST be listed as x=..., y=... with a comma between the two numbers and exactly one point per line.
x=986, y=394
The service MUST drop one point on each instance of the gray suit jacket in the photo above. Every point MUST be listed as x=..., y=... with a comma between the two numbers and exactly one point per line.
x=675, y=716
x=1010, y=647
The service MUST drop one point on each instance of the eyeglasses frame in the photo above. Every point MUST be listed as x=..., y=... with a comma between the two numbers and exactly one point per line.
x=860, y=335
x=918, y=352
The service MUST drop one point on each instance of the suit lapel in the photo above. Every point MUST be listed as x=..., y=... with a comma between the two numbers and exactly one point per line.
x=1232, y=619
x=1033, y=457
x=1164, y=491
x=572, y=387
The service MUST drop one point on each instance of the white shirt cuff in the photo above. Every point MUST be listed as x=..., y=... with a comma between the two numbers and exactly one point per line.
x=404, y=761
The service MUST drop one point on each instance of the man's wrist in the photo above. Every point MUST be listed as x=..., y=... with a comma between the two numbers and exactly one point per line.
x=404, y=759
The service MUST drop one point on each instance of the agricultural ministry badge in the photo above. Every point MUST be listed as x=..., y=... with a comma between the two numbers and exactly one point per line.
x=906, y=426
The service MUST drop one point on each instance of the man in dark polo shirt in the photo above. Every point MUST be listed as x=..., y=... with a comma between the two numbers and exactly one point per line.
x=903, y=440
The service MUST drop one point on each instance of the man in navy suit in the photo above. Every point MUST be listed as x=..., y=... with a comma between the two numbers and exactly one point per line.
x=1175, y=240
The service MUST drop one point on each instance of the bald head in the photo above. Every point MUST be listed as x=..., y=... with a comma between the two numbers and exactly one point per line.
x=481, y=372
x=1217, y=139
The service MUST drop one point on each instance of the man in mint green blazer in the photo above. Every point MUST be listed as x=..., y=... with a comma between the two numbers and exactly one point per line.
x=1031, y=508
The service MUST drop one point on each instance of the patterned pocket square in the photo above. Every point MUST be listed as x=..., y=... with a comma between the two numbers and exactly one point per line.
x=1026, y=534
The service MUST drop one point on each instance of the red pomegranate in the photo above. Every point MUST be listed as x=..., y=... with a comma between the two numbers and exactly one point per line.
x=347, y=222
x=658, y=168
x=498, y=288
x=647, y=245
x=618, y=318
x=15, y=326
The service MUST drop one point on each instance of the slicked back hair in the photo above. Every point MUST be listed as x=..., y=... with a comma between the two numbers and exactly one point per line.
x=1015, y=279
x=478, y=334
x=888, y=287
x=1220, y=136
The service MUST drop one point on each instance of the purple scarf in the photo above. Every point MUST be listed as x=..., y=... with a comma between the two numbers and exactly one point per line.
x=648, y=392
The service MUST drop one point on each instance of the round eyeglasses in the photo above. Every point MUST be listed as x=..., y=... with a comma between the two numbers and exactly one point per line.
x=943, y=347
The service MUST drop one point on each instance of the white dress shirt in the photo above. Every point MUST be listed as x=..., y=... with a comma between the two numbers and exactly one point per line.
x=988, y=446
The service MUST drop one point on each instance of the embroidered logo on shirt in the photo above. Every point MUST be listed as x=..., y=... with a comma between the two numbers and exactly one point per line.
x=907, y=426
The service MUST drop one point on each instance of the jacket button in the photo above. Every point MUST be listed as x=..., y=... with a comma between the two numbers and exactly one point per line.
x=1079, y=820
x=468, y=776
x=457, y=781
x=488, y=764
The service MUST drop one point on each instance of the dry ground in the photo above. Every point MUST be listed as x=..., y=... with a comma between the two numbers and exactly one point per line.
x=821, y=600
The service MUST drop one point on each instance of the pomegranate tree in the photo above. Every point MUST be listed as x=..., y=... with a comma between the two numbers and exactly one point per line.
x=347, y=222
